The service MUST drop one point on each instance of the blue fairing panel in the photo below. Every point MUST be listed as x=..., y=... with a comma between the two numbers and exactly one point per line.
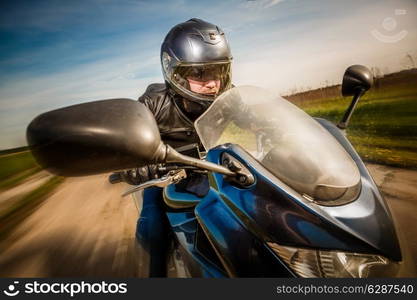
x=185, y=226
x=274, y=212
x=241, y=253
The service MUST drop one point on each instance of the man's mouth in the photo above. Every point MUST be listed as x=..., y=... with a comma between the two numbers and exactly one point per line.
x=211, y=91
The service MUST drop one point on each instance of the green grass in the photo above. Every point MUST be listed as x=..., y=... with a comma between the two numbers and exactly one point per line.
x=383, y=127
x=15, y=167
x=18, y=178
x=235, y=135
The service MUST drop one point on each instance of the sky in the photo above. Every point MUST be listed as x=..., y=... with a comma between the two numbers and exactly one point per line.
x=58, y=53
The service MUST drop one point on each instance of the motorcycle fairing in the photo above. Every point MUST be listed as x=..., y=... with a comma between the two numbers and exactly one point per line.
x=239, y=221
x=226, y=236
x=185, y=227
x=279, y=214
x=177, y=198
x=376, y=225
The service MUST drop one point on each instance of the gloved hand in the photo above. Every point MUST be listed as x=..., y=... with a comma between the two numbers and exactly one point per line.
x=136, y=176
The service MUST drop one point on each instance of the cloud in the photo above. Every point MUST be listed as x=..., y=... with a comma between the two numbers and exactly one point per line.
x=288, y=57
x=109, y=50
x=262, y=4
x=25, y=98
x=271, y=3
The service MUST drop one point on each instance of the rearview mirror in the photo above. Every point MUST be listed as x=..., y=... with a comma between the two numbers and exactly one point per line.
x=96, y=137
x=357, y=78
x=356, y=81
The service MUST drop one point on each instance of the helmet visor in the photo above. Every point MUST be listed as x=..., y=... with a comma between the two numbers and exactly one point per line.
x=203, y=81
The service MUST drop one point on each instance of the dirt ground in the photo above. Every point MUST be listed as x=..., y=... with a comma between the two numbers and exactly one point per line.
x=85, y=228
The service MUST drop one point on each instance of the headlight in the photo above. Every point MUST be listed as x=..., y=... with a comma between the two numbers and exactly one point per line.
x=333, y=264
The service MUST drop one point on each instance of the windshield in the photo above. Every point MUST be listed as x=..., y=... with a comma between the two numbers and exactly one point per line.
x=285, y=140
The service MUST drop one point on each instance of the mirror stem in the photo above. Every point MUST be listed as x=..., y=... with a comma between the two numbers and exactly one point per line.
x=345, y=120
x=173, y=156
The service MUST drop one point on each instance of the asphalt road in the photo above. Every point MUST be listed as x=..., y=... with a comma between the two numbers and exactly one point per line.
x=399, y=188
x=86, y=229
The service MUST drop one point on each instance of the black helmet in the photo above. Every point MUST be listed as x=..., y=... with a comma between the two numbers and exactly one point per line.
x=196, y=51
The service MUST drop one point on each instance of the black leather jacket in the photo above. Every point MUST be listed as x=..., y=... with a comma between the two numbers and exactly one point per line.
x=175, y=127
x=177, y=130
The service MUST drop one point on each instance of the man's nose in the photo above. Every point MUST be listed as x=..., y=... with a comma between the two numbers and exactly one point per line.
x=210, y=84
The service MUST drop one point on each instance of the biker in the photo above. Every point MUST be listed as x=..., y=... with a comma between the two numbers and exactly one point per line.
x=196, y=65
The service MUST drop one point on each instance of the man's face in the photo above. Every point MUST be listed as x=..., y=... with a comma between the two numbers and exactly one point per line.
x=208, y=87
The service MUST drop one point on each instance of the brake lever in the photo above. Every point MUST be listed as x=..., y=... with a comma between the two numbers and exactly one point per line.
x=171, y=178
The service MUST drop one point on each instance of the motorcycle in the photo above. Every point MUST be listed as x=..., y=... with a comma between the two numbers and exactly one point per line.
x=288, y=195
